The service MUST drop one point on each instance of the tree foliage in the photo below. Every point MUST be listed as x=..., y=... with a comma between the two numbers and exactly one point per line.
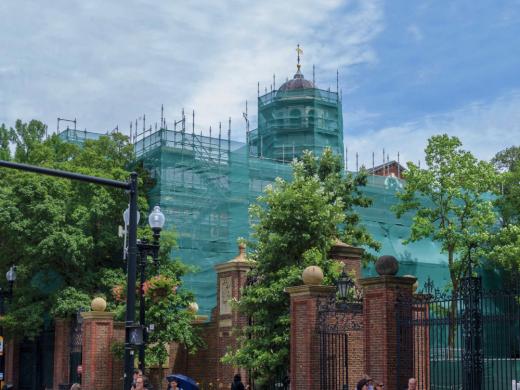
x=451, y=201
x=507, y=163
x=503, y=245
x=62, y=234
x=295, y=224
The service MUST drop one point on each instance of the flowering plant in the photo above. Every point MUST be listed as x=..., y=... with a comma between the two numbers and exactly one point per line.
x=159, y=287
x=118, y=292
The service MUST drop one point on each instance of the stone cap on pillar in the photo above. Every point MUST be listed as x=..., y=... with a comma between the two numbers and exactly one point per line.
x=97, y=315
x=387, y=281
x=340, y=250
x=239, y=263
x=310, y=290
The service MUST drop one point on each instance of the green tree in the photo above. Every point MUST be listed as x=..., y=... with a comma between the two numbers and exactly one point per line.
x=502, y=247
x=507, y=159
x=5, y=152
x=27, y=137
x=62, y=234
x=507, y=163
x=452, y=203
x=295, y=225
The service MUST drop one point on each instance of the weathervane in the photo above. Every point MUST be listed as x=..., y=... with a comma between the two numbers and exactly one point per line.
x=298, y=51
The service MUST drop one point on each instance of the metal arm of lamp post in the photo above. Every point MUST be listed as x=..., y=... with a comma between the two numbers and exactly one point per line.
x=131, y=187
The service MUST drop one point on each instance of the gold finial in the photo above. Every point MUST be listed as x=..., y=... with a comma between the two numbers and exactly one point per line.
x=298, y=51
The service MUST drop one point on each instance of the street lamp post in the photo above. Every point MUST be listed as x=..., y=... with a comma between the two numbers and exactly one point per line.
x=156, y=221
x=11, y=277
x=131, y=188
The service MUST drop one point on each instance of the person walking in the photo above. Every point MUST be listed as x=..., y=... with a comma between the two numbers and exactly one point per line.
x=362, y=385
x=237, y=383
x=412, y=384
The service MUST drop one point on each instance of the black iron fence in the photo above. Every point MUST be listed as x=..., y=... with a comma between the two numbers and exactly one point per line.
x=464, y=340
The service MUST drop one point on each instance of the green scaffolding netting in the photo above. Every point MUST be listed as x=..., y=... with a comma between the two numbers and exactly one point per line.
x=205, y=186
x=291, y=121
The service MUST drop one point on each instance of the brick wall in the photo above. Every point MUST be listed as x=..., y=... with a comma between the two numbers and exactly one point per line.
x=12, y=360
x=380, y=339
x=349, y=255
x=305, y=343
x=98, y=330
x=203, y=364
x=356, y=354
x=61, y=352
x=118, y=363
x=421, y=345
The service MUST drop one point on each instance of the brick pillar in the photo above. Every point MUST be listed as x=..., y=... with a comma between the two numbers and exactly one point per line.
x=421, y=340
x=98, y=330
x=305, y=343
x=379, y=308
x=231, y=277
x=349, y=255
x=12, y=360
x=61, y=352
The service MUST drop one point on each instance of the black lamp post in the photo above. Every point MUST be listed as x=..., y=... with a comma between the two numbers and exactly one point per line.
x=156, y=221
x=11, y=277
x=131, y=188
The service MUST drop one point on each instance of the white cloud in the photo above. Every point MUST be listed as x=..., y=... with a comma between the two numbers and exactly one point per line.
x=260, y=41
x=483, y=127
x=107, y=63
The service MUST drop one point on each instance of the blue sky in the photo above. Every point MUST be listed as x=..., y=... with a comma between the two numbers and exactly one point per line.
x=408, y=69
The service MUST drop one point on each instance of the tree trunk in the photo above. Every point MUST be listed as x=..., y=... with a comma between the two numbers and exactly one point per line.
x=453, y=308
x=453, y=322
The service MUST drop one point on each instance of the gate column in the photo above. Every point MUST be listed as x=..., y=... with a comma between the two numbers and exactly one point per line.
x=61, y=352
x=381, y=294
x=305, y=343
x=98, y=330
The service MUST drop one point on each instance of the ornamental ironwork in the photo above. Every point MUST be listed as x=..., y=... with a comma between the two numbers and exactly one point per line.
x=338, y=315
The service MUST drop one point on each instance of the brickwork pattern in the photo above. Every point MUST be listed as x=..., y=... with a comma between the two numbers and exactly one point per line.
x=61, y=352
x=305, y=342
x=12, y=360
x=356, y=355
x=118, y=364
x=379, y=309
x=96, y=355
x=421, y=350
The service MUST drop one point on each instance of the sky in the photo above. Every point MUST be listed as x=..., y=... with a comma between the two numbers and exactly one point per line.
x=407, y=69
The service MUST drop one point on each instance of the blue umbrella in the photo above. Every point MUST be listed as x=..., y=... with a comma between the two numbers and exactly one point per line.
x=184, y=382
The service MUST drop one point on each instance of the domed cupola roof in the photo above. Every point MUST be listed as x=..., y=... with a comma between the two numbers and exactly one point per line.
x=298, y=82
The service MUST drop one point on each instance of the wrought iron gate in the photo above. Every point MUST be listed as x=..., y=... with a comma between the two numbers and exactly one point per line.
x=338, y=320
x=76, y=339
x=36, y=362
x=467, y=340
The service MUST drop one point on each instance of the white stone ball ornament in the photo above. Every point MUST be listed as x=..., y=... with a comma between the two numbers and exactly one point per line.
x=312, y=275
x=98, y=304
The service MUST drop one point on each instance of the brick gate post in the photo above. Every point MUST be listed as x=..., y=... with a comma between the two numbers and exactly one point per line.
x=379, y=309
x=61, y=352
x=349, y=255
x=231, y=278
x=98, y=331
x=305, y=342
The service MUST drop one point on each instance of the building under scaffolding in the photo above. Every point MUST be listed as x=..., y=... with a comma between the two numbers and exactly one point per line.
x=205, y=184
